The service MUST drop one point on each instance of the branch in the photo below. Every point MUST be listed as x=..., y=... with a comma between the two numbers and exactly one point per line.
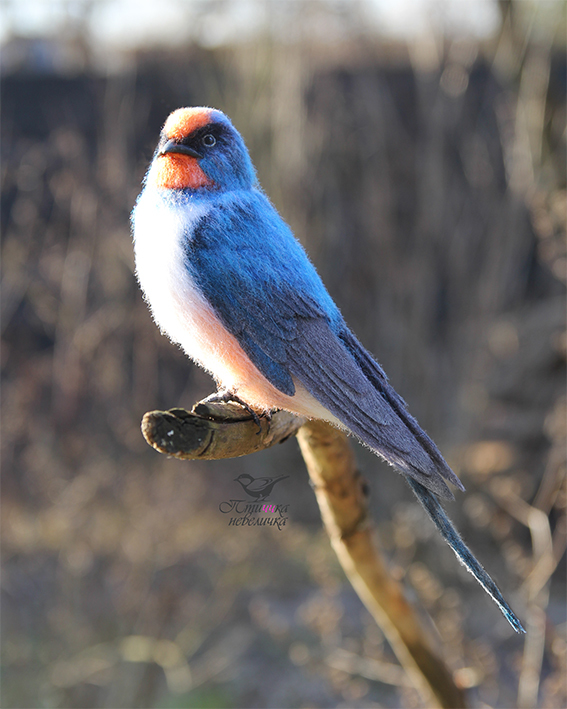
x=340, y=491
x=213, y=431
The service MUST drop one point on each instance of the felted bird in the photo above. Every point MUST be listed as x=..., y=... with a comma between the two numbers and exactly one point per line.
x=226, y=279
x=260, y=488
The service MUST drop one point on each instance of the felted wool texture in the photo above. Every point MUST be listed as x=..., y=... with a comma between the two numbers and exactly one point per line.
x=227, y=280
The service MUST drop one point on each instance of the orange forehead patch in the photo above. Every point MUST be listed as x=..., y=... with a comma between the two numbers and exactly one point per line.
x=184, y=121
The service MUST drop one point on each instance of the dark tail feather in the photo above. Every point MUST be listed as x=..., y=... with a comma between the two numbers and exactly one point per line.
x=433, y=508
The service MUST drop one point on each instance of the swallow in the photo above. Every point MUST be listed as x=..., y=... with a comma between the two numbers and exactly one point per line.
x=260, y=488
x=226, y=279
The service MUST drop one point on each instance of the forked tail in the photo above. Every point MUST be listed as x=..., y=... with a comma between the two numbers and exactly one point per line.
x=433, y=508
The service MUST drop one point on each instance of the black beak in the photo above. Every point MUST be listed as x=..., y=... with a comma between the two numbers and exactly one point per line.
x=172, y=147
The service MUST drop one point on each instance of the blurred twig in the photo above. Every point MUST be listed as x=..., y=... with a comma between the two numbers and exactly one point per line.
x=546, y=556
x=223, y=431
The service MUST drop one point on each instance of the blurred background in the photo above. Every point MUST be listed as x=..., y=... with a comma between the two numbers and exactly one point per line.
x=417, y=149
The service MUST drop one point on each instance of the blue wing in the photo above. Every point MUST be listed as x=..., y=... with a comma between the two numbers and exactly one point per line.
x=268, y=295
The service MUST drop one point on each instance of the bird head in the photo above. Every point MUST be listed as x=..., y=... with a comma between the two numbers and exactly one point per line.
x=199, y=148
x=243, y=477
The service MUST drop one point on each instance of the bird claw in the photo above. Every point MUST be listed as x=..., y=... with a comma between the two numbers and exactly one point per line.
x=226, y=397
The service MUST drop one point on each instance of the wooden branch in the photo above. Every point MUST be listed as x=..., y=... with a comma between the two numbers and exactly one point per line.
x=213, y=431
x=340, y=491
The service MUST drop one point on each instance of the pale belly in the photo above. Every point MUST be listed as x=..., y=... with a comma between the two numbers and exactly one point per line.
x=184, y=315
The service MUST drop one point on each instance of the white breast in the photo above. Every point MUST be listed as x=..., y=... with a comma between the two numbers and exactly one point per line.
x=177, y=306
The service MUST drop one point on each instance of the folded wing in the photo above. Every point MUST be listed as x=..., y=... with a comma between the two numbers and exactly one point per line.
x=268, y=295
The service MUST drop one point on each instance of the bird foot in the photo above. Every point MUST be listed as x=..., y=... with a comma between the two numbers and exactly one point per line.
x=226, y=397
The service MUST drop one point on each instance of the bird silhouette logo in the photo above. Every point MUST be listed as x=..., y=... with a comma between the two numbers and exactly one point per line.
x=258, y=488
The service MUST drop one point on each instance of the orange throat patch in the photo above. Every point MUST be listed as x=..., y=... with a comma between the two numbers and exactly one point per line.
x=178, y=172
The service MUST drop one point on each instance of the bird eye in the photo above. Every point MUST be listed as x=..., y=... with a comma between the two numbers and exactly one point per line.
x=209, y=140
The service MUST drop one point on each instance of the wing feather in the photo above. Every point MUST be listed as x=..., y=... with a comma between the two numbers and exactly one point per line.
x=328, y=371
